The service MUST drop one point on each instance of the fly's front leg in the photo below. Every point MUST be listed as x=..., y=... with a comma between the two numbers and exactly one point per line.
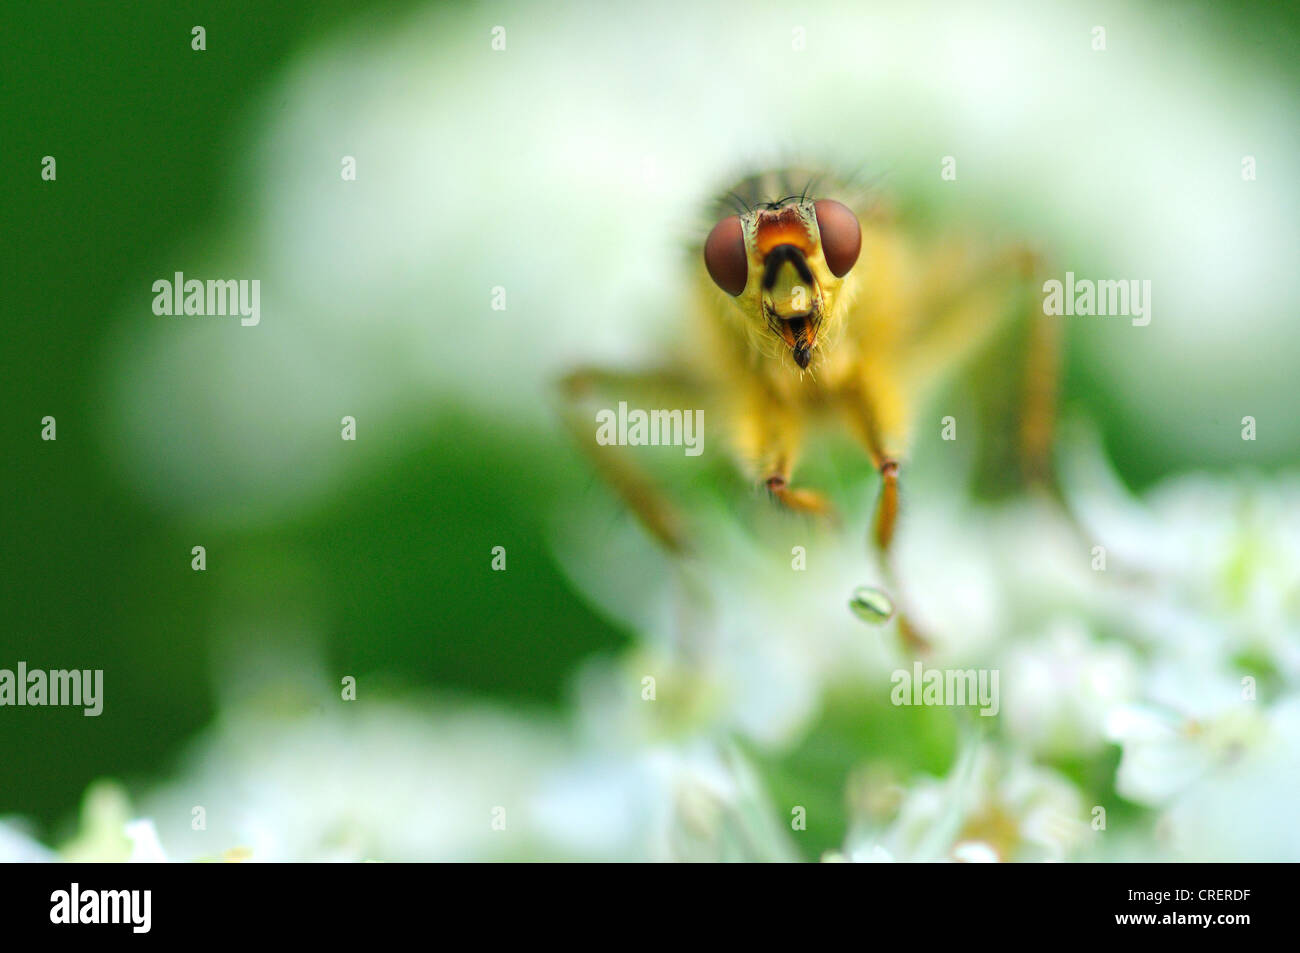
x=797, y=498
x=886, y=507
x=872, y=413
x=769, y=438
x=864, y=412
x=883, y=526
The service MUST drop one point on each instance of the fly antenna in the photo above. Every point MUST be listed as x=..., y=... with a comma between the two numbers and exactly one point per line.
x=741, y=204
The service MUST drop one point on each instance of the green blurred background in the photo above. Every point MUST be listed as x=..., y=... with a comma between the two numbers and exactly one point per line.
x=144, y=131
x=96, y=574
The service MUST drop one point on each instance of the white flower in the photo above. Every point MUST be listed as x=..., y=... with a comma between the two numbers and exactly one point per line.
x=1058, y=688
x=683, y=801
x=17, y=847
x=742, y=640
x=1202, y=569
x=367, y=781
x=1226, y=780
x=145, y=846
x=993, y=806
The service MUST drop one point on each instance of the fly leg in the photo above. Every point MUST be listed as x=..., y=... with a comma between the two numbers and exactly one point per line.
x=883, y=524
x=796, y=498
x=884, y=521
x=769, y=436
x=580, y=390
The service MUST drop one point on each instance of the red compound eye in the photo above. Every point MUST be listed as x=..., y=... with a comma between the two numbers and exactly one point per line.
x=841, y=236
x=725, y=257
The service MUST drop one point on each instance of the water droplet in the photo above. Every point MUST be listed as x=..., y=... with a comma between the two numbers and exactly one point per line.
x=871, y=605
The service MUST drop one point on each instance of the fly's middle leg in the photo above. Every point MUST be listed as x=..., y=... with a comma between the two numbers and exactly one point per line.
x=585, y=387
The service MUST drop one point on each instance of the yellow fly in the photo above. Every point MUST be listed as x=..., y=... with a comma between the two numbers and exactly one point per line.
x=816, y=300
